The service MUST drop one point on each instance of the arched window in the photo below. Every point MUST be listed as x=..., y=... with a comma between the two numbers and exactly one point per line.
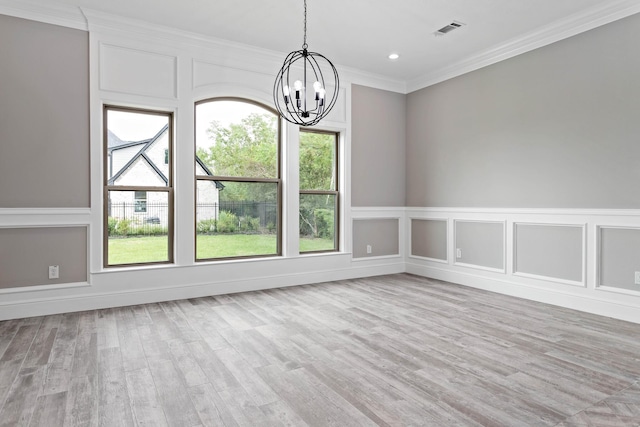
x=238, y=185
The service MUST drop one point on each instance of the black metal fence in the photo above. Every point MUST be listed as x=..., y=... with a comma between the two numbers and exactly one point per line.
x=149, y=218
x=266, y=212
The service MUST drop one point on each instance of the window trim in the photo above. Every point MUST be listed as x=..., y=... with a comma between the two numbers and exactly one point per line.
x=335, y=192
x=169, y=188
x=277, y=180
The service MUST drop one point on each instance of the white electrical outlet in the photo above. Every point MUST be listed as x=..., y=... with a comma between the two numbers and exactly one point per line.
x=458, y=253
x=637, y=280
x=54, y=272
x=368, y=249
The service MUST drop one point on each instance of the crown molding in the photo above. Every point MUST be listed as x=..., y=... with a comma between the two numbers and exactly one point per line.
x=92, y=20
x=548, y=34
x=372, y=80
x=263, y=59
x=56, y=14
x=86, y=19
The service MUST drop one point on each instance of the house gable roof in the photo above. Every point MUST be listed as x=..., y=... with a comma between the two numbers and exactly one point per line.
x=115, y=143
x=219, y=185
x=118, y=143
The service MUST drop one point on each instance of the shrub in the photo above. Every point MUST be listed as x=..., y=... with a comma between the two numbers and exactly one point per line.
x=207, y=226
x=123, y=227
x=227, y=222
x=249, y=224
x=112, y=224
x=152, y=230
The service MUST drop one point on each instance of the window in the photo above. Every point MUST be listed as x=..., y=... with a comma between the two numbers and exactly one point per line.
x=318, y=191
x=238, y=183
x=138, y=187
x=141, y=201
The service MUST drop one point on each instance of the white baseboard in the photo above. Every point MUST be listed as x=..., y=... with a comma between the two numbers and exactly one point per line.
x=31, y=307
x=588, y=303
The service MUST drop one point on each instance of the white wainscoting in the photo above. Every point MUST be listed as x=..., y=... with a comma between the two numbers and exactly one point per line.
x=503, y=225
x=20, y=218
x=129, y=286
x=118, y=287
x=585, y=295
x=377, y=213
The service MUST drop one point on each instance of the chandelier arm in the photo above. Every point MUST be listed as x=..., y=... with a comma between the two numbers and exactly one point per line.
x=317, y=72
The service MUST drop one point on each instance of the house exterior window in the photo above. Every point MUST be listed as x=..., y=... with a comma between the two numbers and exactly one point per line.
x=238, y=185
x=140, y=201
x=138, y=187
x=319, y=197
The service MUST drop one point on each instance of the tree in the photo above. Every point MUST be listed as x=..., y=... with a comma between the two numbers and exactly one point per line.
x=248, y=149
x=316, y=161
x=245, y=149
x=317, y=172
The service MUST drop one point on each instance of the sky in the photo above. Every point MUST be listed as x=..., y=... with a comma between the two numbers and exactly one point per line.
x=130, y=126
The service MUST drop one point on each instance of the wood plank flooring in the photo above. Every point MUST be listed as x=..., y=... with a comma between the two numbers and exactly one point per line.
x=394, y=350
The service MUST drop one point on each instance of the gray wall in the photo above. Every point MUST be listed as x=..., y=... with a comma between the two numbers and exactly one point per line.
x=555, y=127
x=381, y=234
x=429, y=238
x=377, y=147
x=620, y=252
x=27, y=253
x=480, y=243
x=44, y=115
x=549, y=251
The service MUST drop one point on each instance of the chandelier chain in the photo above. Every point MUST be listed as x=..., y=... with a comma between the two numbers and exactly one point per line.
x=304, y=44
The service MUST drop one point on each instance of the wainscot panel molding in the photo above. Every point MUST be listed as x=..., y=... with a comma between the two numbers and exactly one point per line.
x=435, y=249
x=138, y=72
x=618, y=258
x=377, y=214
x=580, y=253
x=35, y=217
x=585, y=295
x=457, y=236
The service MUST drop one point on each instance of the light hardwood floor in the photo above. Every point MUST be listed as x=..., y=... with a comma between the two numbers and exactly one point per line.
x=391, y=351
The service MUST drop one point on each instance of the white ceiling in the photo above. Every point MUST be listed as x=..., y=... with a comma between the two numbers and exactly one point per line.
x=360, y=34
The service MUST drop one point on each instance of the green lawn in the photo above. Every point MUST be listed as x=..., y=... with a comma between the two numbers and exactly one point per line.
x=133, y=250
x=230, y=245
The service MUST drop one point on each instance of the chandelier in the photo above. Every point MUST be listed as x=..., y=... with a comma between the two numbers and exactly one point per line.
x=294, y=99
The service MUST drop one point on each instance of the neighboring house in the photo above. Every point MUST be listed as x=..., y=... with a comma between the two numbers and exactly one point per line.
x=146, y=163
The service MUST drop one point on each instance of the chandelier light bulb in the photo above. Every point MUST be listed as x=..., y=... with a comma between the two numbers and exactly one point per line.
x=317, y=86
x=297, y=85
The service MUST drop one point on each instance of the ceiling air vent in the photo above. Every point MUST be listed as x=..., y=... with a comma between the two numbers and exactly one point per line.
x=448, y=28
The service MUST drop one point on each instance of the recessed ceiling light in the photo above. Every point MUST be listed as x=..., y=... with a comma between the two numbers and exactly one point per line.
x=394, y=56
